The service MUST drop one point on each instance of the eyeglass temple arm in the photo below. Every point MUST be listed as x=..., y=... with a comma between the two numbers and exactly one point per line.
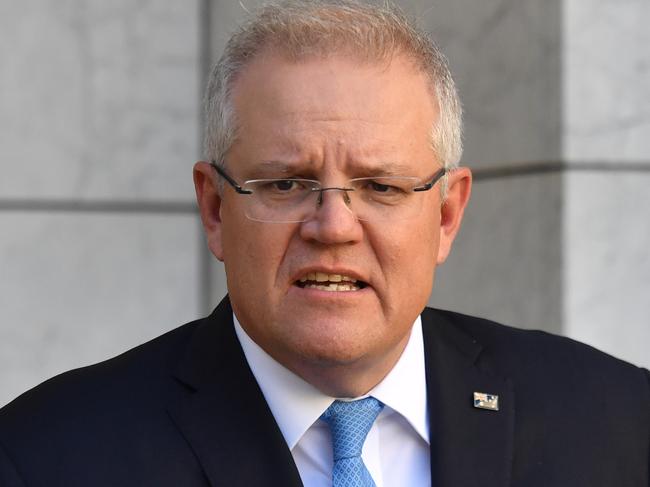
x=426, y=187
x=230, y=180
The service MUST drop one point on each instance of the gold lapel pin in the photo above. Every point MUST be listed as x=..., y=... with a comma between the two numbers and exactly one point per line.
x=483, y=400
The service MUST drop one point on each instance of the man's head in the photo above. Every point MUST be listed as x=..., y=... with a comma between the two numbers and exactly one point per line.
x=308, y=29
x=332, y=91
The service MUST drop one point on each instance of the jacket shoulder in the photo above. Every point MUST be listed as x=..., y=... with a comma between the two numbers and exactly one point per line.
x=581, y=416
x=140, y=373
x=540, y=359
x=496, y=337
x=110, y=417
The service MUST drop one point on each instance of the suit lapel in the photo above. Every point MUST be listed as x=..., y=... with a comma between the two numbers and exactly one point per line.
x=222, y=413
x=223, y=416
x=469, y=446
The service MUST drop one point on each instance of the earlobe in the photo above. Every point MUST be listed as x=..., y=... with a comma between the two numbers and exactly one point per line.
x=209, y=201
x=459, y=188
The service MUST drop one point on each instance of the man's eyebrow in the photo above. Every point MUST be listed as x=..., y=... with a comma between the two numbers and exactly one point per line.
x=276, y=167
x=382, y=168
x=386, y=169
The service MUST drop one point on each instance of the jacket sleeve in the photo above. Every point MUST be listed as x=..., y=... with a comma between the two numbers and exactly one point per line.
x=8, y=474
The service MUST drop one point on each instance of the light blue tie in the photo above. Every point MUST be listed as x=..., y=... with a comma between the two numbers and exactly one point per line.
x=349, y=423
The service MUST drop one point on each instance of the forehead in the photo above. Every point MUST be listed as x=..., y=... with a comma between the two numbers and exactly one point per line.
x=334, y=104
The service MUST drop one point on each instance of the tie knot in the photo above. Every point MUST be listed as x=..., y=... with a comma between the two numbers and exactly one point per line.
x=349, y=422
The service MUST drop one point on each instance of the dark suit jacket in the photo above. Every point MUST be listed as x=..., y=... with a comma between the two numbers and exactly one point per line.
x=185, y=410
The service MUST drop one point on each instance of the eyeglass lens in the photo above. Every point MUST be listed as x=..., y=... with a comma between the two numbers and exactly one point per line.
x=298, y=200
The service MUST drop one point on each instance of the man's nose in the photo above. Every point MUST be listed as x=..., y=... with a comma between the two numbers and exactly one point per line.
x=333, y=220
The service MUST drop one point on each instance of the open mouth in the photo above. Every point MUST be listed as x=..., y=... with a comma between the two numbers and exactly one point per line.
x=329, y=282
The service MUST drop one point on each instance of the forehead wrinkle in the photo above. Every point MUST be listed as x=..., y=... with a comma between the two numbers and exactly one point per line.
x=380, y=168
x=331, y=119
x=300, y=153
x=304, y=137
x=319, y=116
x=331, y=147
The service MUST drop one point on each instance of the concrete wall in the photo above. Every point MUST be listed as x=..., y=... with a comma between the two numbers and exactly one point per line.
x=506, y=57
x=606, y=139
x=557, y=98
x=99, y=241
x=100, y=246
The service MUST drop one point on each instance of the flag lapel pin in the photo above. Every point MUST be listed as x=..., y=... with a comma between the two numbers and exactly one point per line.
x=483, y=400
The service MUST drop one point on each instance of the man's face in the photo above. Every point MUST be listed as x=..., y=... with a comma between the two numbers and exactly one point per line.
x=330, y=119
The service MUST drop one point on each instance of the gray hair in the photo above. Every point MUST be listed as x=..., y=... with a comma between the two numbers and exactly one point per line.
x=302, y=29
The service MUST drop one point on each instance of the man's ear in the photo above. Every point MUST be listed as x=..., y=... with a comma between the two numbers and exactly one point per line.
x=208, y=198
x=459, y=188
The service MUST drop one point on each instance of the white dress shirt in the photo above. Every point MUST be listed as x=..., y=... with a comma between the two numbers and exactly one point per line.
x=396, y=451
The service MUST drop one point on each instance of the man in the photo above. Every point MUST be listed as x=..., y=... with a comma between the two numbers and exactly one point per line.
x=331, y=194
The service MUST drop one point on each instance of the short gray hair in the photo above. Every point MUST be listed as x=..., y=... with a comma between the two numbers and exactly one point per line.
x=302, y=29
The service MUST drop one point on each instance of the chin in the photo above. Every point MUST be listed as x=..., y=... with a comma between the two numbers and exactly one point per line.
x=331, y=350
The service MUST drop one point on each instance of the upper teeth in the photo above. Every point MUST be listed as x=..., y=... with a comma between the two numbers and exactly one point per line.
x=322, y=277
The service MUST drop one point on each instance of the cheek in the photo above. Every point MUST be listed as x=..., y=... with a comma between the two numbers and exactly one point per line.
x=408, y=257
x=412, y=245
x=427, y=231
x=253, y=251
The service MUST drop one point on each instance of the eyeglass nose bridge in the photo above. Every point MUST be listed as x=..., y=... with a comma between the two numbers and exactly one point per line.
x=346, y=196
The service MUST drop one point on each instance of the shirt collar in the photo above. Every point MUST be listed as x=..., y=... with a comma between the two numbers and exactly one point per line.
x=297, y=405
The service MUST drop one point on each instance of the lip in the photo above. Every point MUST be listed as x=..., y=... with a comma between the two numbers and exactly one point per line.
x=315, y=296
x=330, y=270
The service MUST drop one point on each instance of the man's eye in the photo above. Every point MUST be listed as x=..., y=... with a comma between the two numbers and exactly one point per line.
x=381, y=188
x=278, y=187
x=284, y=185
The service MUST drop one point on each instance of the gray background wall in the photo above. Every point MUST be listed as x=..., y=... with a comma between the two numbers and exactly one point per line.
x=100, y=245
